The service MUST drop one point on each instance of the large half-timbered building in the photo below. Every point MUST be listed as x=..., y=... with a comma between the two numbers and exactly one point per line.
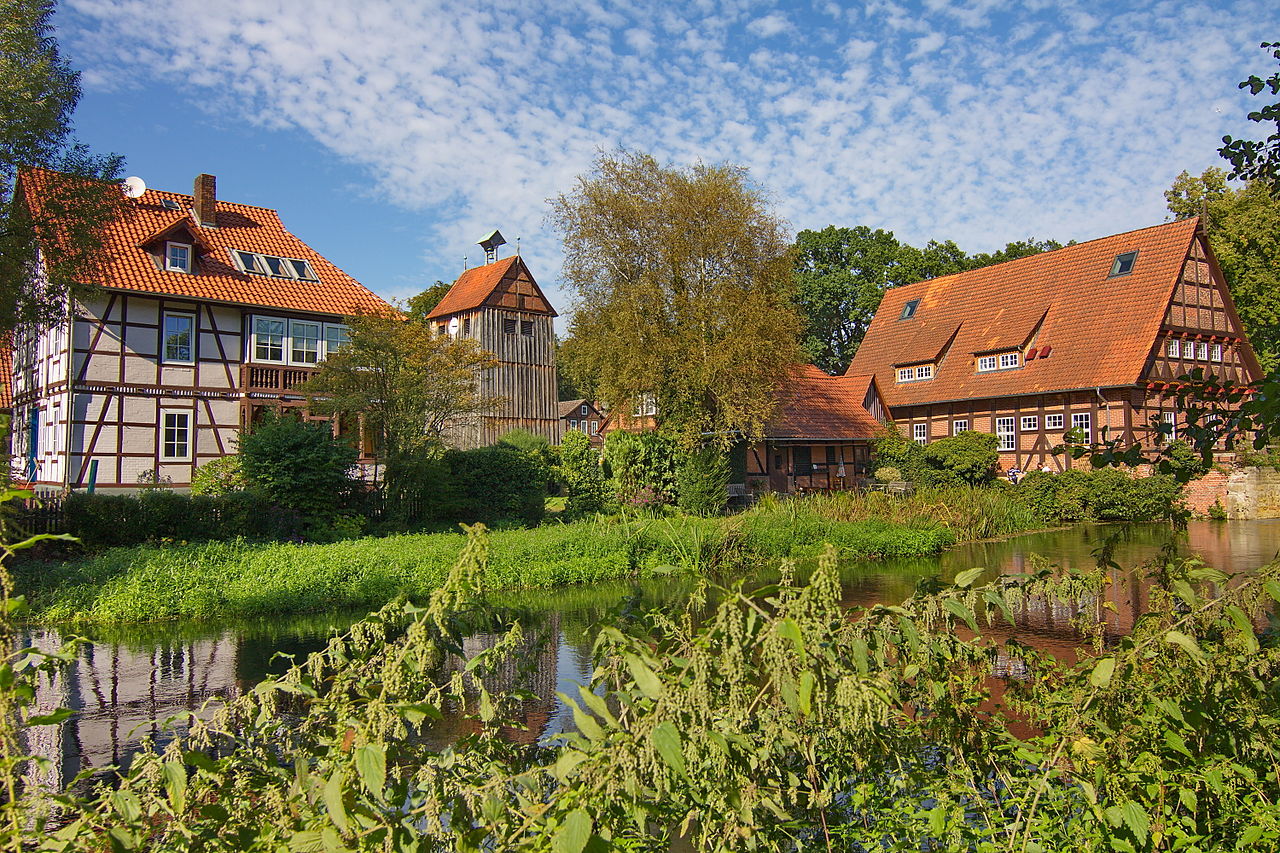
x=1093, y=337
x=209, y=312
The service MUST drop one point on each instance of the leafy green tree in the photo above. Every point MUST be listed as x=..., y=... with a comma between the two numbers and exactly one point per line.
x=573, y=377
x=1244, y=231
x=54, y=248
x=702, y=482
x=684, y=293
x=580, y=470
x=1258, y=160
x=299, y=465
x=408, y=384
x=967, y=457
x=642, y=461
x=425, y=302
x=891, y=449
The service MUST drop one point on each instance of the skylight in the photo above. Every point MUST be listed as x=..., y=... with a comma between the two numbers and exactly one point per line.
x=1123, y=264
x=169, y=204
x=909, y=309
x=273, y=266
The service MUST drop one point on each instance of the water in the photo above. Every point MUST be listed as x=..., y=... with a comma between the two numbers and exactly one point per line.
x=129, y=678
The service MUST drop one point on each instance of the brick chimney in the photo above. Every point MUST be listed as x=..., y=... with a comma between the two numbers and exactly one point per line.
x=205, y=197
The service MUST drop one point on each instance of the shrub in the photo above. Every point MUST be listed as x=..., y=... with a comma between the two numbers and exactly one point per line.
x=888, y=474
x=494, y=484
x=1182, y=462
x=219, y=477
x=580, y=471
x=642, y=460
x=702, y=482
x=103, y=521
x=1107, y=494
x=538, y=448
x=891, y=448
x=967, y=457
x=297, y=464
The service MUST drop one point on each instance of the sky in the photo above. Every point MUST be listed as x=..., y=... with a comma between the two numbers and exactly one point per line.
x=393, y=134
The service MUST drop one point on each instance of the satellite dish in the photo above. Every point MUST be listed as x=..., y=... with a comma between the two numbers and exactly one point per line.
x=134, y=186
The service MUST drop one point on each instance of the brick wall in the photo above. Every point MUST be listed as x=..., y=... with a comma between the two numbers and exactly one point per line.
x=1203, y=493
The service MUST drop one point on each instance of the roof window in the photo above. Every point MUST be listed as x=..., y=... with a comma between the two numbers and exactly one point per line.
x=169, y=204
x=270, y=265
x=1123, y=264
x=909, y=309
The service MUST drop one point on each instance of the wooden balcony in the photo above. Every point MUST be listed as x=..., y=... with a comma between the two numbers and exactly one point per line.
x=272, y=379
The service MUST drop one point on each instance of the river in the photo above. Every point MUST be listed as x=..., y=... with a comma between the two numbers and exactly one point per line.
x=128, y=679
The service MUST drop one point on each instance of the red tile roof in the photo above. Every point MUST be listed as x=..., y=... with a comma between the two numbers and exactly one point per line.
x=814, y=405
x=473, y=287
x=1101, y=329
x=239, y=226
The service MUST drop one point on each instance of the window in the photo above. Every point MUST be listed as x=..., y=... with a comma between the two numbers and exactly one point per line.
x=1030, y=423
x=1083, y=422
x=920, y=432
x=1171, y=418
x=442, y=329
x=508, y=326
x=268, y=339
x=573, y=424
x=924, y=371
x=1173, y=349
x=466, y=325
x=909, y=309
x=803, y=459
x=1217, y=352
x=177, y=257
x=276, y=266
x=1009, y=359
x=179, y=330
x=1005, y=433
x=906, y=374
x=306, y=342
x=247, y=261
x=301, y=269
x=595, y=427
x=1188, y=349
x=1123, y=264
x=336, y=336
x=584, y=408
x=272, y=265
x=1052, y=422
x=526, y=328
x=987, y=362
x=1202, y=351
x=959, y=426
x=175, y=438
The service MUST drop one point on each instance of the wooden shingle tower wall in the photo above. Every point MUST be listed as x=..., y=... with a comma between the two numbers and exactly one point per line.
x=501, y=306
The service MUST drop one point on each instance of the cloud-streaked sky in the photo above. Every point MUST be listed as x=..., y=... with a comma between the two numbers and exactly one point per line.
x=392, y=135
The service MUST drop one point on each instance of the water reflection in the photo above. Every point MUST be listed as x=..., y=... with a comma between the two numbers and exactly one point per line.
x=127, y=678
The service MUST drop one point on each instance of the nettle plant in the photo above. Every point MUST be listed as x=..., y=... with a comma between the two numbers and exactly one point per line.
x=775, y=719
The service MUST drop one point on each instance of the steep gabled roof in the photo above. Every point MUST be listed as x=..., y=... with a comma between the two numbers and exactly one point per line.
x=496, y=284
x=239, y=226
x=813, y=405
x=570, y=407
x=1101, y=328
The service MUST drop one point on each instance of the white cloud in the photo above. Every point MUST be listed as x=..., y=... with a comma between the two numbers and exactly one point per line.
x=472, y=115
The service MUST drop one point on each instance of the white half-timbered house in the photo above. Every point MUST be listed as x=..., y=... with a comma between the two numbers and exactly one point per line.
x=209, y=312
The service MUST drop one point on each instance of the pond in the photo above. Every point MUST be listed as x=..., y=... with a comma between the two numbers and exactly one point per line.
x=128, y=679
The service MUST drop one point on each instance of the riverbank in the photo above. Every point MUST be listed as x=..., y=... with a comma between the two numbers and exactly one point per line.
x=242, y=579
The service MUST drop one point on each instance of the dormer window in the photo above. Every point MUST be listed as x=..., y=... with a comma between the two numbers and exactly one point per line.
x=1123, y=264
x=913, y=374
x=1001, y=361
x=909, y=309
x=177, y=257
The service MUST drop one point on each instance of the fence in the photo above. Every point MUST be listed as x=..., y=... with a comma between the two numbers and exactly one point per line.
x=46, y=512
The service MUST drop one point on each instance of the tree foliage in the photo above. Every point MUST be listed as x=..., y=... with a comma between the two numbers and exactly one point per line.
x=299, y=465
x=683, y=286
x=422, y=304
x=583, y=478
x=1258, y=160
x=1243, y=224
x=702, y=481
x=408, y=384
x=968, y=457
x=53, y=248
x=842, y=274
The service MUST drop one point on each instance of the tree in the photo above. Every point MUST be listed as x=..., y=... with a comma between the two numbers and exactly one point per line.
x=1243, y=225
x=54, y=248
x=842, y=274
x=684, y=293
x=1258, y=160
x=426, y=301
x=407, y=383
x=299, y=465
x=573, y=379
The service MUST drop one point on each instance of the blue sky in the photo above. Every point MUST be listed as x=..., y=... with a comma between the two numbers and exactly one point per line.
x=392, y=135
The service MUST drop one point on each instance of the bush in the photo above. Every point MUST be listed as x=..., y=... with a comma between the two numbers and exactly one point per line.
x=888, y=474
x=1107, y=494
x=702, y=482
x=492, y=484
x=104, y=521
x=298, y=465
x=538, y=448
x=892, y=449
x=966, y=458
x=1182, y=462
x=642, y=461
x=580, y=471
x=219, y=477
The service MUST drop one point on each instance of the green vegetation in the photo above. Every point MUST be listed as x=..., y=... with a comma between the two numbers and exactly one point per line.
x=702, y=482
x=588, y=492
x=297, y=464
x=495, y=484
x=1105, y=494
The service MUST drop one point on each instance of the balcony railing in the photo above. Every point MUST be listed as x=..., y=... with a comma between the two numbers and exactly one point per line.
x=269, y=379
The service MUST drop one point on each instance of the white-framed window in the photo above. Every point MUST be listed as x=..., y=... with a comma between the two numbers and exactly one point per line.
x=906, y=374
x=1171, y=418
x=305, y=338
x=175, y=435
x=987, y=362
x=584, y=409
x=920, y=432
x=1083, y=421
x=1052, y=422
x=1010, y=359
x=1173, y=349
x=1004, y=432
x=595, y=427
x=959, y=426
x=1202, y=351
x=1216, y=351
x=248, y=262
x=177, y=257
x=1189, y=349
x=573, y=424
x=1030, y=423
x=924, y=371
x=268, y=339
x=256, y=263
x=179, y=338
x=336, y=336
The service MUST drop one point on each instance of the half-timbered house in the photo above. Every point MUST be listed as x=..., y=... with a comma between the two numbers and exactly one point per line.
x=208, y=313
x=500, y=305
x=1092, y=337
x=583, y=416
